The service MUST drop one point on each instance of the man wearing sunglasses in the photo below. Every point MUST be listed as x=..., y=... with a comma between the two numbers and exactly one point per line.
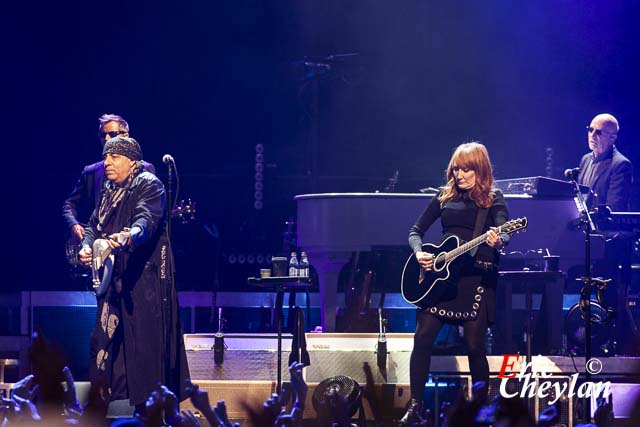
x=605, y=170
x=77, y=208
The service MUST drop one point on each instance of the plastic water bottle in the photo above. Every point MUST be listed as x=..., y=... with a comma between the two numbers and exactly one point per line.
x=294, y=267
x=304, y=265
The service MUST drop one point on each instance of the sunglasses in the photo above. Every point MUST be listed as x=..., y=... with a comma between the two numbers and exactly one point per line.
x=112, y=134
x=598, y=132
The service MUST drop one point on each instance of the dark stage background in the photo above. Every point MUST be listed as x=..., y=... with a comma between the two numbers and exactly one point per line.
x=207, y=81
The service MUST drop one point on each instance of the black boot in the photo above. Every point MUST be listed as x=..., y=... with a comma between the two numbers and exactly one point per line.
x=413, y=414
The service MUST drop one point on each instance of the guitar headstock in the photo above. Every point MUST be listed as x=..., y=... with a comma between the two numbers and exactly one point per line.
x=514, y=226
x=185, y=210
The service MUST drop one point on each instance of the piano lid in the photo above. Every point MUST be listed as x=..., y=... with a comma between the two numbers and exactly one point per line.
x=344, y=222
x=363, y=195
x=358, y=221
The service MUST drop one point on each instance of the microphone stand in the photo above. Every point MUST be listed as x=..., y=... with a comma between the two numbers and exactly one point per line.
x=381, y=349
x=589, y=227
x=169, y=198
x=218, y=342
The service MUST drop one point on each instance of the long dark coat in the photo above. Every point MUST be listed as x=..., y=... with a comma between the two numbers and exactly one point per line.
x=136, y=342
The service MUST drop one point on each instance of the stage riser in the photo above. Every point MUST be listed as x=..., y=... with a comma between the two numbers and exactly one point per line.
x=261, y=365
x=344, y=354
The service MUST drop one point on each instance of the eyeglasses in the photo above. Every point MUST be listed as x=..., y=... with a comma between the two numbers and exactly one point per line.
x=598, y=131
x=112, y=134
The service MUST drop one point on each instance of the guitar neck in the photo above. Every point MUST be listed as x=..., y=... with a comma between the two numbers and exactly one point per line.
x=463, y=249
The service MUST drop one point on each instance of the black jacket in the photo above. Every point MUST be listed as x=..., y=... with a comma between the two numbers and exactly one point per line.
x=153, y=345
x=612, y=183
x=77, y=208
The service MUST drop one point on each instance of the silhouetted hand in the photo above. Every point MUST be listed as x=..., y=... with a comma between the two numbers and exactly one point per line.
x=26, y=388
x=479, y=390
x=427, y=418
x=71, y=404
x=549, y=416
x=153, y=409
x=220, y=412
x=299, y=386
x=200, y=401
x=339, y=409
x=189, y=420
x=26, y=408
x=23, y=394
x=199, y=398
x=273, y=405
x=603, y=415
x=170, y=403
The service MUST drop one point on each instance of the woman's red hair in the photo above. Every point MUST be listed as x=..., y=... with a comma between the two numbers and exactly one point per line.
x=474, y=156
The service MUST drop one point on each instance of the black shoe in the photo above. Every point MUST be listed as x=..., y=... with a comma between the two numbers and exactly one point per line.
x=414, y=409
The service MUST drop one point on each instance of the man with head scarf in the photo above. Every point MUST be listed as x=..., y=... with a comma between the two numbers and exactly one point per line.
x=77, y=208
x=136, y=342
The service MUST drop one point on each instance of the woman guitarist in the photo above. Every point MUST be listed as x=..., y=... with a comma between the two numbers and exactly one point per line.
x=467, y=205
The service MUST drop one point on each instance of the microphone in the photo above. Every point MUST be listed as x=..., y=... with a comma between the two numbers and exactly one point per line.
x=218, y=342
x=571, y=173
x=218, y=349
x=167, y=159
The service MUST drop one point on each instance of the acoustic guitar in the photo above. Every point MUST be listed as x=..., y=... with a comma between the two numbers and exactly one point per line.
x=424, y=288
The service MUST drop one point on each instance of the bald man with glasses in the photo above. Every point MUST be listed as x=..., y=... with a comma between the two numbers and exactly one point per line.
x=605, y=170
x=77, y=208
x=609, y=175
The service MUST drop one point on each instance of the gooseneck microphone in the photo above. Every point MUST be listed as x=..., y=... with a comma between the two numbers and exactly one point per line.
x=167, y=159
x=572, y=173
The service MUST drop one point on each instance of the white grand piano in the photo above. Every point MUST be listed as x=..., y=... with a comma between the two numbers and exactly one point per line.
x=333, y=225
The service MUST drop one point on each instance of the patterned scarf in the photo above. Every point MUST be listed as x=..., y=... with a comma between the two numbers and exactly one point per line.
x=113, y=195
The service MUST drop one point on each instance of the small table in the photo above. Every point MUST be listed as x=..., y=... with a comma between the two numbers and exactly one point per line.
x=280, y=285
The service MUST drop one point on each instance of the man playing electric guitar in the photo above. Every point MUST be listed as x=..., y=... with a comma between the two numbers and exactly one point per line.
x=468, y=206
x=77, y=208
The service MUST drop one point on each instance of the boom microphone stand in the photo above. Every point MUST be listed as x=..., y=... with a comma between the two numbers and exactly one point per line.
x=589, y=227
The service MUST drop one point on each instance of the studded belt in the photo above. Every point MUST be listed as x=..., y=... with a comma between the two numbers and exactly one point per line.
x=485, y=265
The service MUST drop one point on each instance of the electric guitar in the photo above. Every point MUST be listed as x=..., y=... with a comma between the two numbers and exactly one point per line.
x=423, y=288
x=184, y=211
x=71, y=249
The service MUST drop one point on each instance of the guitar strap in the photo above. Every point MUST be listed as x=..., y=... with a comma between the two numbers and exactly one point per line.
x=480, y=221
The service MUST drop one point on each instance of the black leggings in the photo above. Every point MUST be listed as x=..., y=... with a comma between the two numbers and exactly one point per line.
x=427, y=328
